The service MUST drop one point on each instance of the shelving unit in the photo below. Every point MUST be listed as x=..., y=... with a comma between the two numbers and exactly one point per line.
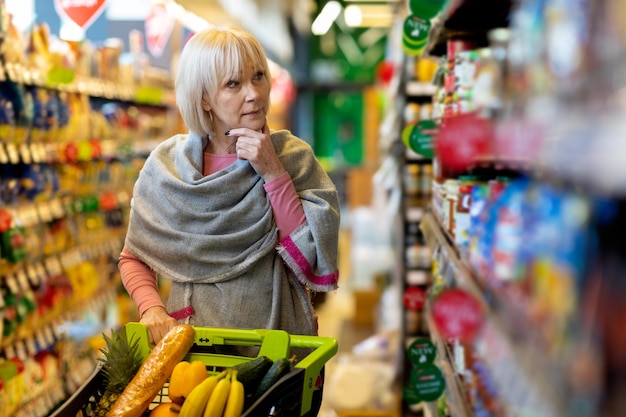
x=542, y=258
x=416, y=264
x=537, y=381
x=66, y=190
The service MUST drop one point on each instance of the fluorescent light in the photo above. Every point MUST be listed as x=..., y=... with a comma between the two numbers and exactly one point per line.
x=192, y=21
x=353, y=16
x=325, y=19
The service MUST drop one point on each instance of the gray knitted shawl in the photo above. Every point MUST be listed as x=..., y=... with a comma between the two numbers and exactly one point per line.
x=215, y=237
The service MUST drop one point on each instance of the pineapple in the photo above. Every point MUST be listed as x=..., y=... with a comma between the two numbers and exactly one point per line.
x=121, y=361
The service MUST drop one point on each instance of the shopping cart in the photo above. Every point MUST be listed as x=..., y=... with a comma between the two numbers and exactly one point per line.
x=291, y=396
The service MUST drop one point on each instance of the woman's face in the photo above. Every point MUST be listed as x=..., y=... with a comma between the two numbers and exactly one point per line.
x=241, y=102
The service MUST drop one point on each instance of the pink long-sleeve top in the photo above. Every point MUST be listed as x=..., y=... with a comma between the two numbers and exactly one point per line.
x=140, y=280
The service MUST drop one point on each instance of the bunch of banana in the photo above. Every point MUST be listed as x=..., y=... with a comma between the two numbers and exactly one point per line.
x=220, y=395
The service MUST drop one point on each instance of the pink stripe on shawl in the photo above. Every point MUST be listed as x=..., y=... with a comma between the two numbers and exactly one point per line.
x=183, y=313
x=305, y=267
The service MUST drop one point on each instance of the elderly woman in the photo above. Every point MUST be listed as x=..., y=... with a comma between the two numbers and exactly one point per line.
x=240, y=218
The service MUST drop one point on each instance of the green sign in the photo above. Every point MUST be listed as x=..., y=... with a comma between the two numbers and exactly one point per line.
x=406, y=133
x=421, y=352
x=415, y=33
x=421, y=138
x=427, y=381
x=426, y=9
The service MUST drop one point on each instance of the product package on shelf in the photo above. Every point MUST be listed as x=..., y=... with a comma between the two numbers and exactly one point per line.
x=71, y=146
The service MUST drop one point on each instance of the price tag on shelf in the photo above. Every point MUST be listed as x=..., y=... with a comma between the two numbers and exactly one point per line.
x=53, y=265
x=9, y=351
x=12, y=284
x=45, y=211
x=33, y=276
x=31, y=347
x=41, y=339
x=20, y=350
x=56, y=207
x=48, y=334
x=14, y=155
x=41, y=271
x=22, y=279
x=25, y=153
x=34, y=152
x=4, y=156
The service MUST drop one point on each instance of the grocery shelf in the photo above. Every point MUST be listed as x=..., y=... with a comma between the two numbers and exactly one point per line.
x=456, y=393
x=441, y=245
x=525, y=377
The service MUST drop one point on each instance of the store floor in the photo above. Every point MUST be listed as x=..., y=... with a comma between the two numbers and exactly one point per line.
x=338, y=318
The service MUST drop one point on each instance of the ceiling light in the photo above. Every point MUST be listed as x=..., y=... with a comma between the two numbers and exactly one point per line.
x=353, y=16
x=325, y=19
x=369, y=15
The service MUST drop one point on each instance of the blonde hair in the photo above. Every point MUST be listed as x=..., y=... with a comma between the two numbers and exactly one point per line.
x=210, y=58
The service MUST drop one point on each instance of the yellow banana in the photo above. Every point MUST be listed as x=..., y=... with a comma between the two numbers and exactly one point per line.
x=196, y=401
x=217, y=400
x=236, y=397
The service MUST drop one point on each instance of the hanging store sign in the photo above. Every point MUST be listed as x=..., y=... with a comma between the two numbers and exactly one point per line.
x=414, y=298
x=81, y=12
x=159, y=26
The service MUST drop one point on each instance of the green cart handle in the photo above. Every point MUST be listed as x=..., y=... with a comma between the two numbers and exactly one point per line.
x=325, y=349
x=275, y=344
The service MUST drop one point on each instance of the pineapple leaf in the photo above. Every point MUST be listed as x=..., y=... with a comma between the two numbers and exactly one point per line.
x=121, y=360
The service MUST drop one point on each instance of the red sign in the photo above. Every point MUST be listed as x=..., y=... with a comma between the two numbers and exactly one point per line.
x=457, y=314
x=414, y=298
x=81, y=12
x=159, y=26
x=462, y=140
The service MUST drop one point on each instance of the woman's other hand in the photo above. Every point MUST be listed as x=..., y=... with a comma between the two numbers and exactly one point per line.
x=158, y=323
x=257, y=148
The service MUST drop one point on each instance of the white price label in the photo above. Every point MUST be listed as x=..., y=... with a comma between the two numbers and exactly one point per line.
x=14, y=155
x=33, y=276
x=4, y=157
x=48, y=334
x=25, y=153
x=12, y=284
x=22, y=279
x=45, y=212
x=41, y=339
x=20, y=350
x=31, y=347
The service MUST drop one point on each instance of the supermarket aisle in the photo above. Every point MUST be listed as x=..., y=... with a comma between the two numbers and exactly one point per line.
x=337, y=319
x=337, y=308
